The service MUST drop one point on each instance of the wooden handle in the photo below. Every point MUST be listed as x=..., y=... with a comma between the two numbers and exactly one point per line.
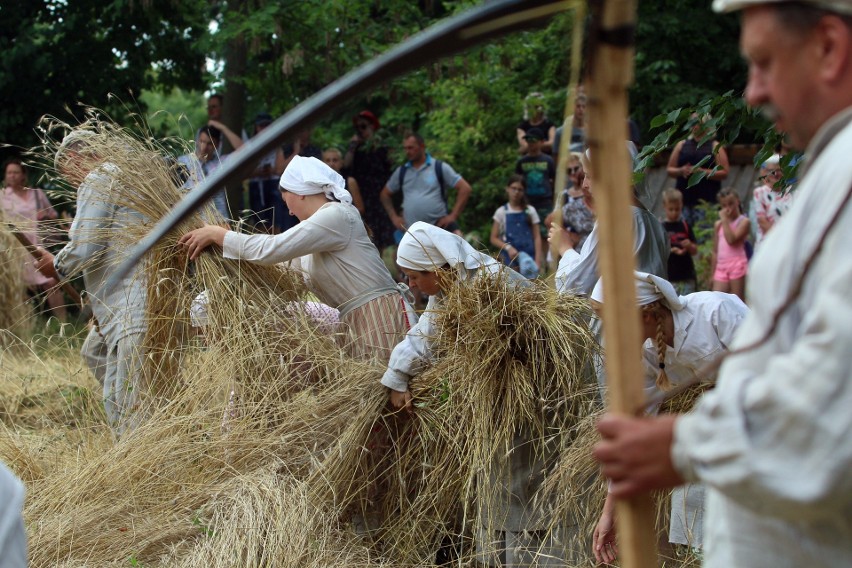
x=570, y=101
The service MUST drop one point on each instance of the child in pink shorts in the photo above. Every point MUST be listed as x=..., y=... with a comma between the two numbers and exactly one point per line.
x=730, y=263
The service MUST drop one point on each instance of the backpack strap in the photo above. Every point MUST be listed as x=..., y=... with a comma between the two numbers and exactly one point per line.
x=439, y=173
x=402, y=170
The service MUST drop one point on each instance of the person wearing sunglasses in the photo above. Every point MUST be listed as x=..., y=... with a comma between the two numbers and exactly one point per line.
x=770, y=200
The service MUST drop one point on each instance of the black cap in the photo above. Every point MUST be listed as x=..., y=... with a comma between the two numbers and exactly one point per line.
x=263, y=119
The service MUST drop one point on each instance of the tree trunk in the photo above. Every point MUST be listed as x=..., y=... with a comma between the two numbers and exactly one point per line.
x=233, y=111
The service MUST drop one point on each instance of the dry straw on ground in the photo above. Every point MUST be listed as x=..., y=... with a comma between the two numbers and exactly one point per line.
x=14, y=311
x=309, y=468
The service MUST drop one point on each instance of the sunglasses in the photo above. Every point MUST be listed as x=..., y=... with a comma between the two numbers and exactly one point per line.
x=574, y=169
x=362, y=125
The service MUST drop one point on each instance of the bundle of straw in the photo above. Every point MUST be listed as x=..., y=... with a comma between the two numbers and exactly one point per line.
x=14, y=311
x=269, y=520
x=507, y=362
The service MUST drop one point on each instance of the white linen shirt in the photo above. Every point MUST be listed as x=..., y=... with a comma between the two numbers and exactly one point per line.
x=578, y=272
x=703, y=330
x=773, y=441
x=331, y=247
x=413, y=354
x=93, y=250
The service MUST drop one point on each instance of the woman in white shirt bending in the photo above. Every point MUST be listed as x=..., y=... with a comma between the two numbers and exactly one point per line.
x=331, y=246
x=682, y=334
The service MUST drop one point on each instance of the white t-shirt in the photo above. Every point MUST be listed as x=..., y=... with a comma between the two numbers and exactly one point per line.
x=331, y=247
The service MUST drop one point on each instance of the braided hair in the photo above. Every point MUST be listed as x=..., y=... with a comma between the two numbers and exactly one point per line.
x=655, y=309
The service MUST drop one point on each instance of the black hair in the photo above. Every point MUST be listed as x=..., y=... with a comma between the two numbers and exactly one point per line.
x=14, y=160
x=214, y=133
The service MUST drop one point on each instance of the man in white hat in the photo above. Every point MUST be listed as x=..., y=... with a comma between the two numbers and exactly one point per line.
x=773, y=441
x=113, y=349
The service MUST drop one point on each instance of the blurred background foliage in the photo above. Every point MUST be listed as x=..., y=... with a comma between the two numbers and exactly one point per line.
x=155, y=62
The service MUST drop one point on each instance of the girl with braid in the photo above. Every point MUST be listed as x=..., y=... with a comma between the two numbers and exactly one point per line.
x=682, y=334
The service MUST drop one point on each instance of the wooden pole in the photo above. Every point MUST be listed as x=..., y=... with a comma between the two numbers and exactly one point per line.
x=610, y=74
x=568, y=122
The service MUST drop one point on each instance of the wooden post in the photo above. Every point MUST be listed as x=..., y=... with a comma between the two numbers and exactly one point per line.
x=567, y=124
x=610, y=74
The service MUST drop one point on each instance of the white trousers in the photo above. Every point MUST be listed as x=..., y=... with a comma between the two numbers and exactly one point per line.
x=118, y=368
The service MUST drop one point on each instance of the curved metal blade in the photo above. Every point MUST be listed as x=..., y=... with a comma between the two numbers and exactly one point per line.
x=440, y=40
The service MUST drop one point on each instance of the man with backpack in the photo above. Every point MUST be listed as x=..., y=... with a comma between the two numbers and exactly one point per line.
x=423, y=182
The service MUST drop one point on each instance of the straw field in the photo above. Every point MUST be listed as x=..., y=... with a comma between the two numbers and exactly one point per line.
x=262, y=443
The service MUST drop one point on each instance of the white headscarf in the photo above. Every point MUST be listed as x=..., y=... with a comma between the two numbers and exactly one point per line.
x=426, y=248
x=309, y=176
x=649, y=289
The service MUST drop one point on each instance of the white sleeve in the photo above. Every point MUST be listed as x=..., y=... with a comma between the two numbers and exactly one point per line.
x=89, y=227
x=13, y=539
x=533, y=214
x=325, y=231
x=413, y=354
x=500, y=217
x=776, y=434
x=578, y=272
x=727, y=319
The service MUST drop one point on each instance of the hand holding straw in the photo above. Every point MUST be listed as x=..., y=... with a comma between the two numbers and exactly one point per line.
x=43, y=259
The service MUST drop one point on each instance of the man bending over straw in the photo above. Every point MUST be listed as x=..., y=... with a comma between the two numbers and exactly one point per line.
x=112, y=349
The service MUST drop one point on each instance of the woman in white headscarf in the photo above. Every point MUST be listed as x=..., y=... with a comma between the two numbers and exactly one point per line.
x=509, y=532
x=433, y=259
x=332, y=247
x=682, y=334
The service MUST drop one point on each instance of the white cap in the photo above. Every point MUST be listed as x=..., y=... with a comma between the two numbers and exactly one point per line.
x=72, y=139
x=649, y=289
x=309, y=176
x=838, y=6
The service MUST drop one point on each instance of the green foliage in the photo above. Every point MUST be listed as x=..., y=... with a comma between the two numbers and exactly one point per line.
x=174, y=113
x=704, y=231
x=57, y=54
x=729, y=118
x=684, y=54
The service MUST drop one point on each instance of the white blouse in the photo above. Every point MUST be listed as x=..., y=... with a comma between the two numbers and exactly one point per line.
x=331, y=247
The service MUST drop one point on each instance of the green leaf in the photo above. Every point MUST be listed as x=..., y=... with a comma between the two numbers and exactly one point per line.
x=659, y=120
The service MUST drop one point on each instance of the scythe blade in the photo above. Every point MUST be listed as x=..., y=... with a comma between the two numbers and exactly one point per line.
x=490, y=20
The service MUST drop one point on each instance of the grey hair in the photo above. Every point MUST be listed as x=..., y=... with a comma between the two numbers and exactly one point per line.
x=75, y=141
